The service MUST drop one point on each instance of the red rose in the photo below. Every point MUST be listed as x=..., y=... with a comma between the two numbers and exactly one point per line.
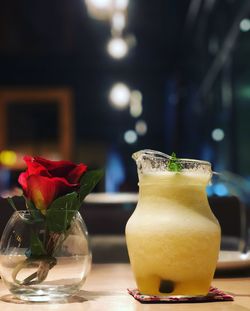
x=46, y=180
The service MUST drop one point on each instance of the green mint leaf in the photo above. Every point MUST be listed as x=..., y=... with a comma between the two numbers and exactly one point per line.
x=61, y=211
x=174, y=164
x=88, y=182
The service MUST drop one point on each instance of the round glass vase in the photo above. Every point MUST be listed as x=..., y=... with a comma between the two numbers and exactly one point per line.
x=61, y=262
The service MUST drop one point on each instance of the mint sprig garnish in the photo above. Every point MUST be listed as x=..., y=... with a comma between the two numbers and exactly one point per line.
x=174, y=164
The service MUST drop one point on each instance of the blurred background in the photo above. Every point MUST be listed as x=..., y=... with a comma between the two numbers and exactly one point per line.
x=95, y=80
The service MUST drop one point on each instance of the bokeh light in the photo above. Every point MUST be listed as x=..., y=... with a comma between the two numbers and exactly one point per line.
x=8, y=157
x=121, y=4
x=119, y=96
x=117, y=48
x=130, y=137
x=218, y=134
x=141, y=127
x=245, y=25
x=136, y=108
x=118, y=21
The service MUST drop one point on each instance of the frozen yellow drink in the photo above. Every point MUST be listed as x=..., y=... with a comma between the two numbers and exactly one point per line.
x=173, y=237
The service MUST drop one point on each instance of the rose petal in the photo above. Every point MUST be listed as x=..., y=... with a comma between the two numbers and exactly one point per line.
x=66, y=169
x=52, y=165
x=34, y=167
x=75, y=174
x=22, y=179
x=43, y=190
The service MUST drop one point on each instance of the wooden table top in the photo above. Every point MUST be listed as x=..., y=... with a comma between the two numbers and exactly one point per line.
x=105, y=289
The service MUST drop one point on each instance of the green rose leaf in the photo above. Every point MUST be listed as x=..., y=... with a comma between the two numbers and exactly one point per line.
x=61, y=211
x=36, y=247
x=88, y=182
x=34, y=212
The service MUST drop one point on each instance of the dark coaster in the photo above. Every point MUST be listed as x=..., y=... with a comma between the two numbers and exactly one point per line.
x=214, y=295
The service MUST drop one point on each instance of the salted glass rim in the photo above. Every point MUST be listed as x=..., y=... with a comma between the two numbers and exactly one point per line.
x=156, y=153
x=152, y=161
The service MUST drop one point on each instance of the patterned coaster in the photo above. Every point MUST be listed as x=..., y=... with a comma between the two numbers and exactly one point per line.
x=214, y=295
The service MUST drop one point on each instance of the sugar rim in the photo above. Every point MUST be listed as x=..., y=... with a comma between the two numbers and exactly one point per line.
x=136, y=155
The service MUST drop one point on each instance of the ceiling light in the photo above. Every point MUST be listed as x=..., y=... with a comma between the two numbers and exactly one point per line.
x=100, y=9
x=100, y=4
x=119, y=95
x=118, y=22
x=117, y=48
x=121, y=4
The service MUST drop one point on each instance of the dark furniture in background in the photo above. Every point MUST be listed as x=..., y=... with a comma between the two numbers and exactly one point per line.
x=106, y=225
x=27, y=110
